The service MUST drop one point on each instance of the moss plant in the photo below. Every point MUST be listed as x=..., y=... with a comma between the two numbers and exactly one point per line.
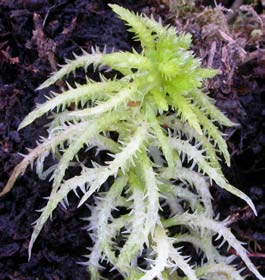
x=162, y=164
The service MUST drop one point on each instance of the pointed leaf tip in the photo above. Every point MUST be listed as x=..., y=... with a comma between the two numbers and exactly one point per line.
x=243, y=196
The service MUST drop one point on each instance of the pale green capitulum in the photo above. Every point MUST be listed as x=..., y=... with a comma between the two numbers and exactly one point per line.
x=166, y=157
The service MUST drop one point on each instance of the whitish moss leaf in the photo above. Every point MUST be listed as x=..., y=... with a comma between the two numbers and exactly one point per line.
x=201, y=222
x=80, y=61
x=81, y=92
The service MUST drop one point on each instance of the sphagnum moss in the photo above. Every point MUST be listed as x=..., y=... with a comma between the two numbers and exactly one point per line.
x=166, y=157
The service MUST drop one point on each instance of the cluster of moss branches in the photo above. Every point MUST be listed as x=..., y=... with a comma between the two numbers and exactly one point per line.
x=163, y=162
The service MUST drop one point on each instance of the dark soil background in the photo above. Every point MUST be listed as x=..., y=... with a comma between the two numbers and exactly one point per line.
x=36, y=35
